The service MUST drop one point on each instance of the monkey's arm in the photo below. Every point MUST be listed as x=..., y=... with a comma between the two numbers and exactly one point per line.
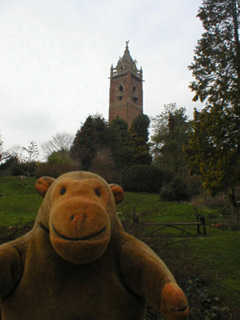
x=10, y=269
x=147, y=275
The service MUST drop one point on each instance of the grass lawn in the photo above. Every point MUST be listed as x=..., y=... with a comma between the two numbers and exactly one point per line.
x=19, y=202
x=218, y=256
x=215, y=257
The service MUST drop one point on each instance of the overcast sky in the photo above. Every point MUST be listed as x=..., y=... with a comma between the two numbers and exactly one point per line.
x=55, y=59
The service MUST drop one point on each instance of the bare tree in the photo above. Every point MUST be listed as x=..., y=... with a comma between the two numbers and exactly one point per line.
x=1, y=148
x=16, y=152
x=33, y=152
x=60, y=143
x=4, y=155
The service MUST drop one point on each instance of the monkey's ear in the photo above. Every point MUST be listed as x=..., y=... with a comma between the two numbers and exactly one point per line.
x=42, y=185
x=117, y=192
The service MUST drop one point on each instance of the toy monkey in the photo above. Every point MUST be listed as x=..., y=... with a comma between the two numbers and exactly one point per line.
x=77, y=263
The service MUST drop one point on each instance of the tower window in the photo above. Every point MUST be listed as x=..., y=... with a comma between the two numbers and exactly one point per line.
x=134, y=94
x=120, y=92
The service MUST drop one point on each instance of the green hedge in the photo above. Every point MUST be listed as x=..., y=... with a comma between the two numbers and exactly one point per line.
x=143, y=178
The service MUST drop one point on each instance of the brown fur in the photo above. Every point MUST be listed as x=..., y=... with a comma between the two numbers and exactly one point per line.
x=78, y=263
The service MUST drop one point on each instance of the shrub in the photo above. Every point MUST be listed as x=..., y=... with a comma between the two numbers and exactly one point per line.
x=55, y=170
x=221, y=201
x=194, y=183
x=14, y=167
x=142, y=178
x=22, y=168
x=176, y=190
x=6, y=166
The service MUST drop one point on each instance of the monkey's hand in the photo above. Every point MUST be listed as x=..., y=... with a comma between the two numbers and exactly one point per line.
x=174, y=305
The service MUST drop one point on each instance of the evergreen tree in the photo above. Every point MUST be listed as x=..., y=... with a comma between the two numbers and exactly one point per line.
x=213, y=150
x=121, y=143
x=216, y=65
x=139, y=139
x=171, y=132
x=93, y=136
x=214, y=146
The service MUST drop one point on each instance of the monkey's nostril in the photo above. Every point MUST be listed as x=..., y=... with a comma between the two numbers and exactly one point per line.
x=77, y=217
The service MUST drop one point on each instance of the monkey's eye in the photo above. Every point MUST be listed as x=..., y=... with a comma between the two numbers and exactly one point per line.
x=97, y=192
x=62, y=191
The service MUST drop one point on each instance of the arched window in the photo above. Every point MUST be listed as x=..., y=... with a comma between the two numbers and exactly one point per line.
x=120, y=92
x=134, y=94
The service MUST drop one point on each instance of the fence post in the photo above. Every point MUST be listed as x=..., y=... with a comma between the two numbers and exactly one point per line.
x=135, y=216
x=197, y=216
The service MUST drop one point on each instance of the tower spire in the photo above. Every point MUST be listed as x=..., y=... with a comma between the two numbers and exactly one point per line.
x=126, y=63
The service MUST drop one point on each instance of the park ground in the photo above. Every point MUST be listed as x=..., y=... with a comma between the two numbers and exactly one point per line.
x=205, y=266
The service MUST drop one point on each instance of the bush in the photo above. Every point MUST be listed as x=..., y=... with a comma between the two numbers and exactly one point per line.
x=142, y=178
x=176, y=190
x=6, y=166
x=194, y=183
x=14, y=167
x=22, y=168
x=55, y=170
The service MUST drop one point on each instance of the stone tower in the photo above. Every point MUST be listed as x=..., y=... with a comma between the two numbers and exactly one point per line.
x=126, y=93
